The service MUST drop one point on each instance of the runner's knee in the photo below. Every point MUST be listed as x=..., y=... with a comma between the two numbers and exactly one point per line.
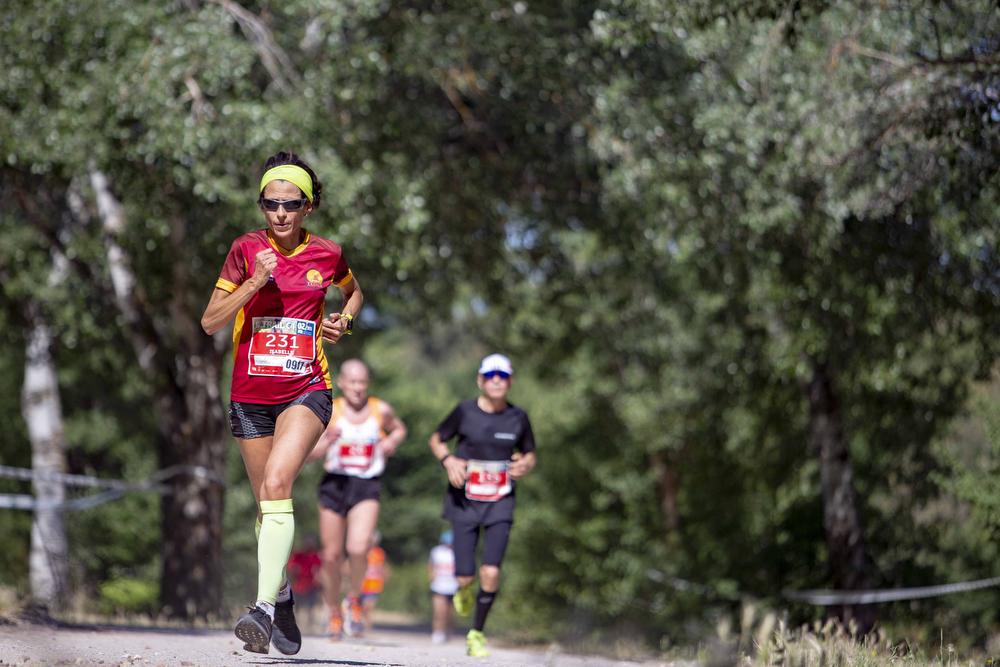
x=357, y=550
x=277, y=485
x=332, y=556
x=489, y=577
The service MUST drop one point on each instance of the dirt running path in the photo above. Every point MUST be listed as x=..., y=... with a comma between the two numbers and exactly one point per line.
x=108, y=646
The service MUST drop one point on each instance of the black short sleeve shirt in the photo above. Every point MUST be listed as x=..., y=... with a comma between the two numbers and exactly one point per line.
x=484, y=436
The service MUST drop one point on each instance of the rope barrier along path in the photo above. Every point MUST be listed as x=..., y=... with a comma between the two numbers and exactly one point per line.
x=113, y=489
x=686, y=586
x=827, y=598
x=824, y=598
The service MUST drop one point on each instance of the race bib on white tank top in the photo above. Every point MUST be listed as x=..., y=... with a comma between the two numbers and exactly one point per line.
x=356, y=451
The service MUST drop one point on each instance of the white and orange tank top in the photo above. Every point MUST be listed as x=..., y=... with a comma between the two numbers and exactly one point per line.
x=356, y=452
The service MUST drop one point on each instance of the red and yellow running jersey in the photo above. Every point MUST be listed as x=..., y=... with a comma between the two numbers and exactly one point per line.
x=277, y=348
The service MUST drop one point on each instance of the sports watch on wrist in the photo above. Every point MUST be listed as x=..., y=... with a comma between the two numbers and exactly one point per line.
x=350, y=323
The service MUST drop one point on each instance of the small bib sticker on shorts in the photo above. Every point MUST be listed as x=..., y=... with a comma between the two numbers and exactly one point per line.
x=487, y=481
x=282, y=346
x=356, y=455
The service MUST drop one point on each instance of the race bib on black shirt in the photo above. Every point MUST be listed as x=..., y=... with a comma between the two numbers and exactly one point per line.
x=487, y=481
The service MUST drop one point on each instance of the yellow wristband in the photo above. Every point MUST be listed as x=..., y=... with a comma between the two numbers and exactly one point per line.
x=350, y=323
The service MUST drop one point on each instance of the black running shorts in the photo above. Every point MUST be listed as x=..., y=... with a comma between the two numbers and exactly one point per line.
x=466, y=537
x=257, y=420
x=341, y=493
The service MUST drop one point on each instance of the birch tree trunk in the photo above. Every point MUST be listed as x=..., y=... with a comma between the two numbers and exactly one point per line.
x=42, y=411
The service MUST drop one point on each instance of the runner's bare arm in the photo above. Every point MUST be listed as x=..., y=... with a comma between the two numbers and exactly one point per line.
x=327, y=438
x=395, y=430
x=454, y=466
x=521, y=464
x=223, y=306
x=335, y=324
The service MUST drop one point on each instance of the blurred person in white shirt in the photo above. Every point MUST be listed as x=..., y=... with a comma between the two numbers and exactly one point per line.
x=441, y=570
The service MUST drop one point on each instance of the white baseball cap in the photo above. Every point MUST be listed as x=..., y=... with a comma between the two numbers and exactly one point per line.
x=496, y=362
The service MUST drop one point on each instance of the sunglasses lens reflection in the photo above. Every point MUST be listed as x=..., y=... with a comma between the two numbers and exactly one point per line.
x=289, y=204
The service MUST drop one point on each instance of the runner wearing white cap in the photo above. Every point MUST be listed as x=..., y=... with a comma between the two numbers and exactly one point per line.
x=495, y=448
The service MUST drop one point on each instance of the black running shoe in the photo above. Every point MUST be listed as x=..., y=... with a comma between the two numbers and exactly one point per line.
x=286, y=636
x=254, y=629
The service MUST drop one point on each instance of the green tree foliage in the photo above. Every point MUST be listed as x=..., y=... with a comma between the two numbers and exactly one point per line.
x=681, y=218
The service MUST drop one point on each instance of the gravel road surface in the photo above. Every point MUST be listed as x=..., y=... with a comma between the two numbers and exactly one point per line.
x=35, y=645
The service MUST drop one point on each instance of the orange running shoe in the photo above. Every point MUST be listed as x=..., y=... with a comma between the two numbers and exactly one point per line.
x=335, y=630
x=355, y=618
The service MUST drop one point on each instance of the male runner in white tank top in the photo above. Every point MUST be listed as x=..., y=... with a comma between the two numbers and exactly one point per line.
x=363, y=432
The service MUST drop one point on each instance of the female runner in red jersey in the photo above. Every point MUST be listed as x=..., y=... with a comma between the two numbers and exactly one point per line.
x=274, y=283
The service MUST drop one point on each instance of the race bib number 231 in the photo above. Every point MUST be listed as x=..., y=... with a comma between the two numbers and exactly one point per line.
x=282, y=346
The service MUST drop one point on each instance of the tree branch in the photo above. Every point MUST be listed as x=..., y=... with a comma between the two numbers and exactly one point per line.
x=278, y=64
x=145, y=338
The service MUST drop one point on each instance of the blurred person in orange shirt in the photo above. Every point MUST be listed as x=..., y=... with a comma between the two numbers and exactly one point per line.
x=375, y=576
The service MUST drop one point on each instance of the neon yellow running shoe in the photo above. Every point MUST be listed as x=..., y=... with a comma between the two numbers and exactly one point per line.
x=464, y=600
x=475, y=644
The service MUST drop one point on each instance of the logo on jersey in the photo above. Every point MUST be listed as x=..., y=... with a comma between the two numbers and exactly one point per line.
x=505, y=436
x=314, y=278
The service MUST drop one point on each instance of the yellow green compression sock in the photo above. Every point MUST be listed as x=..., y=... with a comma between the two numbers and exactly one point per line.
x=274, y=545
x=283, y=590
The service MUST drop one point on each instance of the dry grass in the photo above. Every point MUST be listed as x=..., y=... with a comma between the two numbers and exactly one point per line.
x=765, y=640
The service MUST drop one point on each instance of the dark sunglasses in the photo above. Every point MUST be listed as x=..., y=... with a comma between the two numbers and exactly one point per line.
x=289, y=204
x=489, y=375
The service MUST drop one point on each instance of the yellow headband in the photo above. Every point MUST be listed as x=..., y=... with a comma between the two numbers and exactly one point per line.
x=293, y=174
